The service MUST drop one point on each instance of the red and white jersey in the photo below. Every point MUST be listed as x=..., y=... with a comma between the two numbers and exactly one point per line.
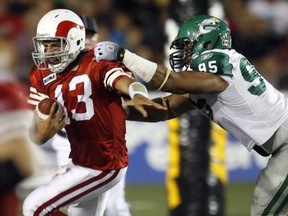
x=95, y=117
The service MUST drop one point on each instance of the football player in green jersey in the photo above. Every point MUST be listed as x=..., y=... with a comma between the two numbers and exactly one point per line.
x=209, y=75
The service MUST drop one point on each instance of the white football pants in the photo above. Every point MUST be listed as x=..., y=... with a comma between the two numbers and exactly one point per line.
x=79, y=187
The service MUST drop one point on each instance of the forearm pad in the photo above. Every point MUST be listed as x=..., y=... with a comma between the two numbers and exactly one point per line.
x=10, y=176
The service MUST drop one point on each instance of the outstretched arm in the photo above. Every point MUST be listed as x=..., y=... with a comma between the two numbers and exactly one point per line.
x=159, y=76
x=139, y=95
x=186, y=81
x=175, y=104
x=164, y=79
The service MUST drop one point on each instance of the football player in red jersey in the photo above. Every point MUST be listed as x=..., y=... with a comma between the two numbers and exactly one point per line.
x=116, y=204
x=92, y=114
x=16, y=156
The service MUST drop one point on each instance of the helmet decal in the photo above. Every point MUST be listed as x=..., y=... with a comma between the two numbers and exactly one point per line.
x=226, y=39
x=226, y=43
x=110, y=48
x=208, y=25
x=64, y=27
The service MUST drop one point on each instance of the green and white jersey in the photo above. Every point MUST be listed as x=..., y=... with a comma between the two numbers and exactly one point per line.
x=250, y=109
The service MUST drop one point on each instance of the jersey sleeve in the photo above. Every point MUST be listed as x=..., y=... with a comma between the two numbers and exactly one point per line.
x=112, y=72
x=36, y=90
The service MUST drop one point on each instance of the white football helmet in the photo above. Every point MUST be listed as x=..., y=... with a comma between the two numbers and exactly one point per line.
x=65, y=28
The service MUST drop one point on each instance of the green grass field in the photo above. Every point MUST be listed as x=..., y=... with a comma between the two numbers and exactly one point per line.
x=150, y=200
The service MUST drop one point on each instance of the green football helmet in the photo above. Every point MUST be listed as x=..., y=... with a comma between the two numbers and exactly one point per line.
x=196, y=35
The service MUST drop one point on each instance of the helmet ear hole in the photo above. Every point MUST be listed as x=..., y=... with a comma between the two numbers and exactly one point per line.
x=207, y=44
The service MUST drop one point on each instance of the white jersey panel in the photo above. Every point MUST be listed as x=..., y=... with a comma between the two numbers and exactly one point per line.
x=250, y=117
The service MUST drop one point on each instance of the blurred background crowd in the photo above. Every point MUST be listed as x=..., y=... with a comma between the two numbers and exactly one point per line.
x=259, y=29
x=137, y=25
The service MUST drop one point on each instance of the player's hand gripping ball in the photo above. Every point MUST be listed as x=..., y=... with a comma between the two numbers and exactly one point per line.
x=44, y=106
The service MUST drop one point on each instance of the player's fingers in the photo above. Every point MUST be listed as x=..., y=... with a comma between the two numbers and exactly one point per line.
x=36, y=117
x=62, y=123
x=53, y=109
x=60, y=112
x=158, y=106
x=52, y=112
x=61, y=116
x=148, y=102
x=142, y=110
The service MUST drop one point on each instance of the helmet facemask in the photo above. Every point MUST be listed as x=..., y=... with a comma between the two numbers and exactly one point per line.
x=57, y=58
x=182, y=57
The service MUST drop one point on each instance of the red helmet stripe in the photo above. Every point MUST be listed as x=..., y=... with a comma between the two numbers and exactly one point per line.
x=64, y=27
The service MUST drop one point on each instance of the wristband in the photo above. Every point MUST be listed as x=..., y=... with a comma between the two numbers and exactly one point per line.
x=137, y=88
x=143, y=68
x=165, y=80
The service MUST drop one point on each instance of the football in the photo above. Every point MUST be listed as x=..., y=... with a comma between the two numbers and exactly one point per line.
x=44, y=106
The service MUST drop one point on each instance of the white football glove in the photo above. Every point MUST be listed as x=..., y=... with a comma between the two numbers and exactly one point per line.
x=107, y=50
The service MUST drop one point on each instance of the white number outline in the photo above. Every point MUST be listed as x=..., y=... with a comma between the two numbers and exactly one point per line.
x=84, y=98
x=212, y=66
